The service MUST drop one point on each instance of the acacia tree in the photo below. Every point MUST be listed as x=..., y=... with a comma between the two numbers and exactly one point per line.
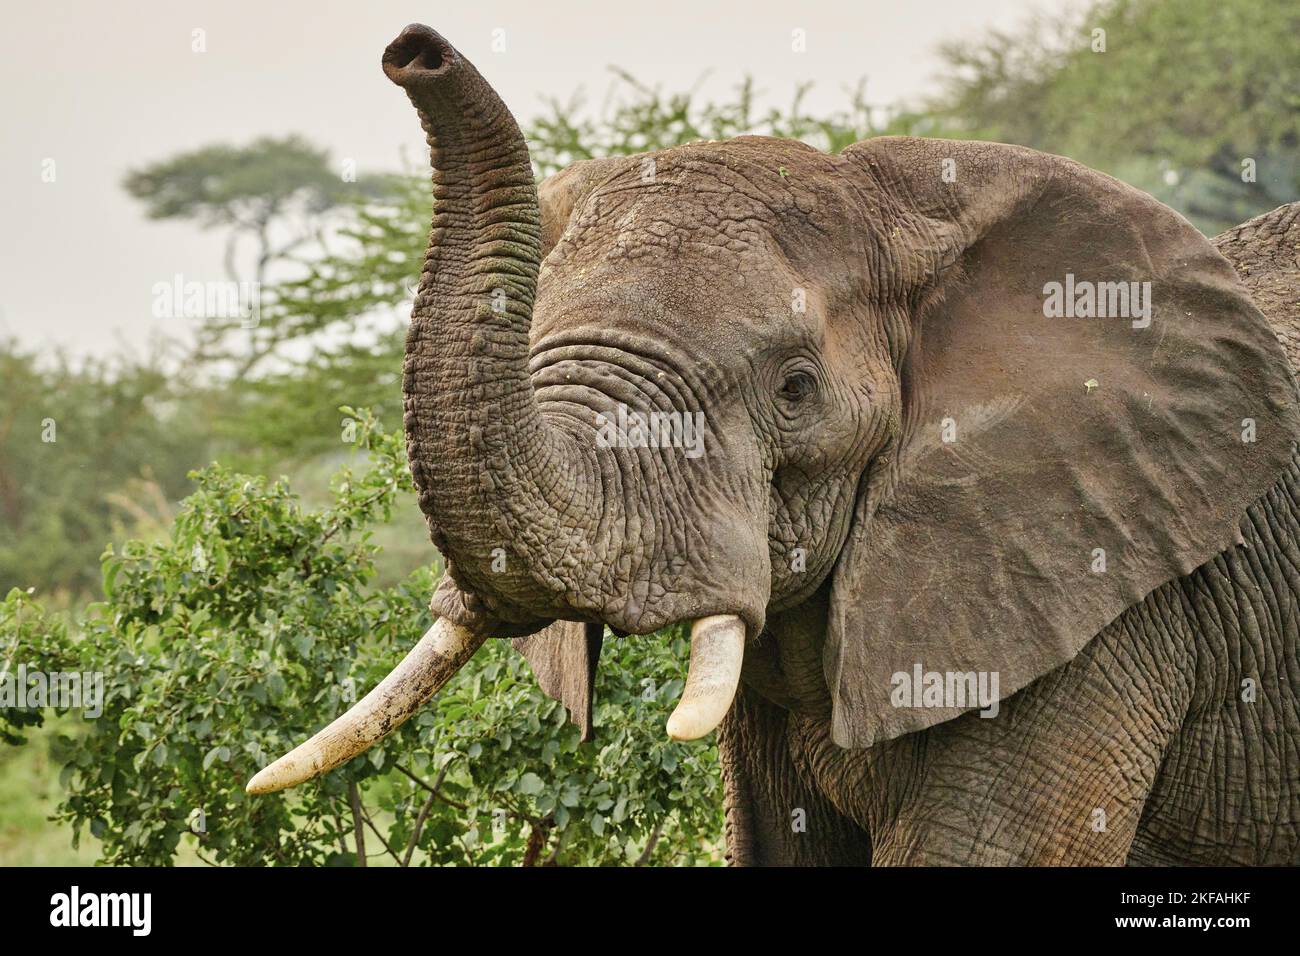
x=274, y=194
x=1193, y=100
x=62, y=421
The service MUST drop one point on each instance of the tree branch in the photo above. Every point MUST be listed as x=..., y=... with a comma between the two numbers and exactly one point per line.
x=375, y=830
x=358, y=828
x=424, y=815
x=644, y=858
x=434, y=789
x=536, y=844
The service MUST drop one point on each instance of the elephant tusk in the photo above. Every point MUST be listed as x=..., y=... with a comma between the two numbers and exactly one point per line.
x=717, y=651
x=442, y=651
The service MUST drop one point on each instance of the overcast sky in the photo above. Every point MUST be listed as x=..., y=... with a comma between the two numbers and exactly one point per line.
x=104, y=87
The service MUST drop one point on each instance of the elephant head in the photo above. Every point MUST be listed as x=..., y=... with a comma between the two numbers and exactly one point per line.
x=711, y=383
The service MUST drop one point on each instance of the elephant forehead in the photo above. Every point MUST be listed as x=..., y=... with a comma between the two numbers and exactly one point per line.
x=658, y=223
x=710, y=198
x=669, y=294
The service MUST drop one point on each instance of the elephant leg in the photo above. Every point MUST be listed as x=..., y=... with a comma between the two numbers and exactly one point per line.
x=1034, y=816
x=1163, y=742
x=1060, y=776
x=774, y=815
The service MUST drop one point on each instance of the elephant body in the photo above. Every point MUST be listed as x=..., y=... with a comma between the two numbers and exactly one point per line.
x=958, y=409
x=1210, y=774
x=1150, y=747
x=1265, y=251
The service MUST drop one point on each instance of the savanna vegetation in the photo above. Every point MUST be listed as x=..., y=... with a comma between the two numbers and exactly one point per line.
x=146, y=533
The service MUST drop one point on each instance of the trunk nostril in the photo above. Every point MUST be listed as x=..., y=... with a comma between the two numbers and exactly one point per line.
x=418, y=51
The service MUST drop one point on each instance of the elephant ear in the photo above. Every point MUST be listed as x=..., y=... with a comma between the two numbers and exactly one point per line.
x=1049, y=471
x=563, y=657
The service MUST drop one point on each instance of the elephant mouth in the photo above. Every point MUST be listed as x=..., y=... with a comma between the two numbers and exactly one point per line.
x=717, y=652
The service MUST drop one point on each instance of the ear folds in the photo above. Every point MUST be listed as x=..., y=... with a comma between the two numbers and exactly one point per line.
x=1089, y=404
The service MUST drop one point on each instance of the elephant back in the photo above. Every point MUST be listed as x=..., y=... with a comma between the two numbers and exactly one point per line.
x=1265, y=251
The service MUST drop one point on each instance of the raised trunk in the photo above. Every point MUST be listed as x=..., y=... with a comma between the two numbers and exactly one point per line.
x=495, y=478
x=490, y=472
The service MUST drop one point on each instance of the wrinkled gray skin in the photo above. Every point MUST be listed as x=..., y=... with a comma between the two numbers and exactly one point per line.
x=1265, y=252
x=1186, y=773
x=670, y=282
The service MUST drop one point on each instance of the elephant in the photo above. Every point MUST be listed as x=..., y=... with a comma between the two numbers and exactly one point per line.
x=1265, y=252
x=973, y=470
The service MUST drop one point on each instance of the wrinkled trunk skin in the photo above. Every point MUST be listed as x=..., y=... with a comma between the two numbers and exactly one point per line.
x=537, y=520
x=493, y=478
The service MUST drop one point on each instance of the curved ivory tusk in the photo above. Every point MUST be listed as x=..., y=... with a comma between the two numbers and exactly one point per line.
x=717, y=651
x=442, y=651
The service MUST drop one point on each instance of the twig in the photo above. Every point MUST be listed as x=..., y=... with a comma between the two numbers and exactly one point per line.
x=536, y=844
x=644, y=858
x=374, y=829
x=358, y=828
x=338, y=829
x=337, y=525
x=424, y=815
x=419, y=827
x=434, y=789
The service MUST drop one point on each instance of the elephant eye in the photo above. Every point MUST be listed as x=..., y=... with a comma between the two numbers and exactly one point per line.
x=797, y=387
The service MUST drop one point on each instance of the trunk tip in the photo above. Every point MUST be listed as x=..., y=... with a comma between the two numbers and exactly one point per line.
x=418, y=54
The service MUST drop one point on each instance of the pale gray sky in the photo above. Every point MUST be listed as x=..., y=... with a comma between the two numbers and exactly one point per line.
x=103, y=87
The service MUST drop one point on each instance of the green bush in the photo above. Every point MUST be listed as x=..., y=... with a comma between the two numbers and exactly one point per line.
x=255, y=623
x=88, y=450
